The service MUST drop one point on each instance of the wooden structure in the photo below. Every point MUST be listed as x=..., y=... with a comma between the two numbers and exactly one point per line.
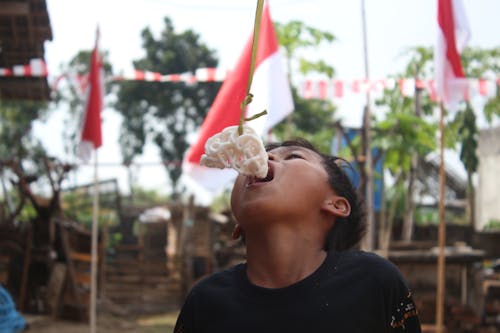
x=15, y=259
x=24, y=28
x=151, y=269
x=68, y=290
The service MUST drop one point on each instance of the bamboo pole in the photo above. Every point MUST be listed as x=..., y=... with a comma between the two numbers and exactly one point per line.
x=442, y=230
x=370, y=233
x=93, y=264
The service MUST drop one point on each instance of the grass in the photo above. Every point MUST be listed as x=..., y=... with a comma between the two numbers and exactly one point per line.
x=163, y=323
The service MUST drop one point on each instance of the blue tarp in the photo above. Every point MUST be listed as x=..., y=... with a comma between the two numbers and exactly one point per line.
x=11, y=320
x=353, y=173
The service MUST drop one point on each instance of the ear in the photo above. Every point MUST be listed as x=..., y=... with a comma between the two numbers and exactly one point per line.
x=337, y=206
x=236, y=232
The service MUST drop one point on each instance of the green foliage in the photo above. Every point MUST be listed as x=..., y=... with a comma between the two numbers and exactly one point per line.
x=16, y=121
x=493, y=224
x=484, y=64
x=394, y=198
x=426, y=216
x=78, y=207
x=148, y=197
x=19, y=147
x=468, y=134
x=165, y=113
x=312, y=119
x=294, y=37
x=402, y=133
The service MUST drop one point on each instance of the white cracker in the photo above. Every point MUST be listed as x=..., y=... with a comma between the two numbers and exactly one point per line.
x=245, y=153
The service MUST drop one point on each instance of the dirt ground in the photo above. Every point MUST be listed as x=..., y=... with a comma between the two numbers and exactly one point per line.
x=106, y=323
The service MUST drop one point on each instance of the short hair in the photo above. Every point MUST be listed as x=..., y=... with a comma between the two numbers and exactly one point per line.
x=348, y=231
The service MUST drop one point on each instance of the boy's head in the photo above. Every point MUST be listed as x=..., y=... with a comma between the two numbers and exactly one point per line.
x=300, y=182
x=348, y=231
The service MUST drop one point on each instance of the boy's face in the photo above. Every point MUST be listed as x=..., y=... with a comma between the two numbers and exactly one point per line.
x=296, y=185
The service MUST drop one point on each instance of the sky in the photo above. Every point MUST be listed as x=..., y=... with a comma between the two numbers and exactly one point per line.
x=224, y=25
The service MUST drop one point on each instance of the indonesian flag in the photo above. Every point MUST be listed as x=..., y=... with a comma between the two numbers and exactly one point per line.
x=453, y=34
x=91, y=137
x=271, y=91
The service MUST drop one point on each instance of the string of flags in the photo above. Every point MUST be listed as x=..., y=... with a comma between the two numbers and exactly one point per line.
x=318, y=89
x=35, y=68
x=332, y=89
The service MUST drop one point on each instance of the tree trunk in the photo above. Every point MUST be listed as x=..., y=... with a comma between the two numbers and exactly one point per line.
x=387, y=232
x=408, y=220
x=471, y=201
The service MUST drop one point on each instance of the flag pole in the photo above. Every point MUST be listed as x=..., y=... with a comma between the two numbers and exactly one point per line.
x=94, y=257
x=370, y=232
x=442, y=229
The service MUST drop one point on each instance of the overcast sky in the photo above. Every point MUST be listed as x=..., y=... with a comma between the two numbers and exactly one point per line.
x=225, y=25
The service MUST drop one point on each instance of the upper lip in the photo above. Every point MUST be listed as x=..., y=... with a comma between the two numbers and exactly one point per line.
x=269, y=177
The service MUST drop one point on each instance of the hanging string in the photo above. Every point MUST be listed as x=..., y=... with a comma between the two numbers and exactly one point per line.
x=255, y=42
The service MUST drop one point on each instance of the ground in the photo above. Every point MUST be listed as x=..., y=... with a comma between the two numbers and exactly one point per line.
x=106, y=323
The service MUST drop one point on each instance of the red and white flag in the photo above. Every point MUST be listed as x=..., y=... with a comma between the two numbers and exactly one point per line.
x=271, y=91
x=453, y=34
x=91, y=136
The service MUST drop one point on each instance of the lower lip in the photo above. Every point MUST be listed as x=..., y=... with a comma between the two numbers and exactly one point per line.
x=258, y=184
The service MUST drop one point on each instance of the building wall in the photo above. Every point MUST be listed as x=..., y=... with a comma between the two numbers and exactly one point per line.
x=488, y=189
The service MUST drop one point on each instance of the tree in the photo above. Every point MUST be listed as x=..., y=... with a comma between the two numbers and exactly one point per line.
x=401, y=137
x=312, y=119
x=31, y=180
x=19, y=149
x=165, y=113
x=477, y=63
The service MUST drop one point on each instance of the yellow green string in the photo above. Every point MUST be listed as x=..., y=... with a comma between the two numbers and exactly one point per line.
x=255, y=42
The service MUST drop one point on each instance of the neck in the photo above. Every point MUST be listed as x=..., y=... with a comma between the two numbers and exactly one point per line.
x=281, y=257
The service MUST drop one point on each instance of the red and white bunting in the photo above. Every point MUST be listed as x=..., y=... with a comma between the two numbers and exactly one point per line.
x=320, y=89
x=35, y=68
x=200, y=75
x=336, y=89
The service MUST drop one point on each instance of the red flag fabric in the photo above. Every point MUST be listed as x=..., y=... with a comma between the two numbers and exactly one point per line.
x=91, y=135
x=453, y=34
x=271, y=91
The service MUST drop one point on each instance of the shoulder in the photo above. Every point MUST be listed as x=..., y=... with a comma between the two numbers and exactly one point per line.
x=217, y=282
x=371, y=264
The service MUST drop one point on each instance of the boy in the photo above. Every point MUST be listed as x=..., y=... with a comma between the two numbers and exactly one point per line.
x=299, y=224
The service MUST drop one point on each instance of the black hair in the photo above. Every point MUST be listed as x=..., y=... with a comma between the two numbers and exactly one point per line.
x=348, y=231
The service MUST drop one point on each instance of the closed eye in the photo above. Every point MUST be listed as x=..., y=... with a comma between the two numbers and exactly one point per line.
x=294, y=156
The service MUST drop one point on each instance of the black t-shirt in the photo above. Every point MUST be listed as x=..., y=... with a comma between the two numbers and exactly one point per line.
x=352, y=291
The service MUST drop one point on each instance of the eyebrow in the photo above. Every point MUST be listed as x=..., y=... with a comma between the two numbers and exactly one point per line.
x=288, y=149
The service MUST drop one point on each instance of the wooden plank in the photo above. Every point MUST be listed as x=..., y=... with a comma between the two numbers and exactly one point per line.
x=83, y=278
x=4, y=269
x=26, y=269
x=12, y=8
x=55, y=287
x=80, y=256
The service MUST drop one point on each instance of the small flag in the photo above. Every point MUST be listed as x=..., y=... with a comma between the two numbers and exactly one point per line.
x=453, y=34
x=91, y=135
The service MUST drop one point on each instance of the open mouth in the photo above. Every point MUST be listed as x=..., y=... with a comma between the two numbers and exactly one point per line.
x=266, y=179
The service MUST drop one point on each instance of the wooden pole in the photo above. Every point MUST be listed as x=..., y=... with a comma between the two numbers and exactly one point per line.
x=93, y=264
x=442, y=229
x=370, y=233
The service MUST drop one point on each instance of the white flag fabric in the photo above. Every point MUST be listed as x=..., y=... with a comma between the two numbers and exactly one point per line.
x=271, y=91
x=452, y=35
